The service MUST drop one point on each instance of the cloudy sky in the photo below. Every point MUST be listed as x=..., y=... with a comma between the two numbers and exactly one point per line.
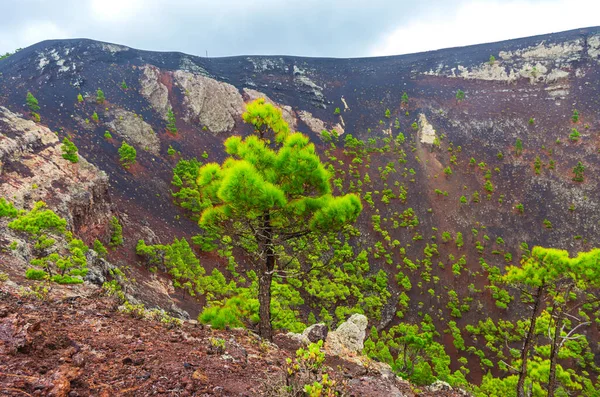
x=324, y=28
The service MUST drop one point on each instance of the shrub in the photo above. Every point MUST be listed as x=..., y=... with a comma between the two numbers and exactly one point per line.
x=100, y=248
x=35, y=274
x=100, y=96
x=79, y=98
x=337, y=111
x=578, y=170
x=39, y=219
x=116, y=229
x=574, y=136
x=69, y=151
x=575, y=116
x=460, y=95
x=107, y=135
x=492, y=59
x=127, y=155
x=404, y=99
x=32, y=102
x=66, y=279
x=518, y=147
x=171, y=122
x=7, y=209
x=95, y=117
x=124, y=85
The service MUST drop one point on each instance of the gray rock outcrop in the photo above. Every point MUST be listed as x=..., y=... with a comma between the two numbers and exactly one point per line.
x=348, y=338
x=134, y=130
x=212, y=103
x=154, y=90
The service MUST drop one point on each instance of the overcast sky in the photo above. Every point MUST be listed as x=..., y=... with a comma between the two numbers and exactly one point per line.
x=334, y=28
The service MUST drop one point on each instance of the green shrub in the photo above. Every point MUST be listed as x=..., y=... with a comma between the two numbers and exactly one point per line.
x=171, y=122
x=66, y=279
x=100, y=96
x=100, y=248
x=127, y=155
x=232, y=314
x=7, y=209
x=79, y=98
x=35, y=274
x=38, y=220
x=69, y=151
x=107, y=135
x=116, y=231
x=32, y=102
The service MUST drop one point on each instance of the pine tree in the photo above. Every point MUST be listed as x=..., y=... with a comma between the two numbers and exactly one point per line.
x=269, y=192
x=127, y=155
x=32, y=102
x=578, y=171
x=100, y=96
x=518, y=147
x=116, y=232
x=69, y=151
x=171, y=122
x=404, y=99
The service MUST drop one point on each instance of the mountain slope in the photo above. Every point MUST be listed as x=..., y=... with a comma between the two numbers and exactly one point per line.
x=527, y=92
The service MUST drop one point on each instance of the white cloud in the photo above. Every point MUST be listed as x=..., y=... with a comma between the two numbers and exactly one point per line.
x=478, y=22
x=32, y=32
x=115, y=10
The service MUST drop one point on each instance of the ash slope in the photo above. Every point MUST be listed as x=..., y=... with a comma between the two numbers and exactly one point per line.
x=543, y=78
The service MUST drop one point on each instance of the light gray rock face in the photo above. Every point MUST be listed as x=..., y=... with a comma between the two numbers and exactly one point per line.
x=317, y=125
x=348, y=338
x=32, y=169
x=316, y=332
x=542, y=63
x=154, y=91
x=134, y=130
x=78, y=192
x=301, y=339
x=212, y=103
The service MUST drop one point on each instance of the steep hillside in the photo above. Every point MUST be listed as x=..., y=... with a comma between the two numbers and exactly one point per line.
x=464, y=159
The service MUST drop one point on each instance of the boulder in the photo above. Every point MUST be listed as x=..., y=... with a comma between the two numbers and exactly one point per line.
x=438, y=386
x=348, y=338
x=316, y=332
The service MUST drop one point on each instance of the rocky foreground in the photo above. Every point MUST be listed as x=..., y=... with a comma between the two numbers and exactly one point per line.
x=82, y=344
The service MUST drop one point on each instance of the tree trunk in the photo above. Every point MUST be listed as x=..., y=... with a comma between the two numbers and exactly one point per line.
x=264, y=280
x=558, y=312
x=264, y=300
x=528, y=343
x=554, y=354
